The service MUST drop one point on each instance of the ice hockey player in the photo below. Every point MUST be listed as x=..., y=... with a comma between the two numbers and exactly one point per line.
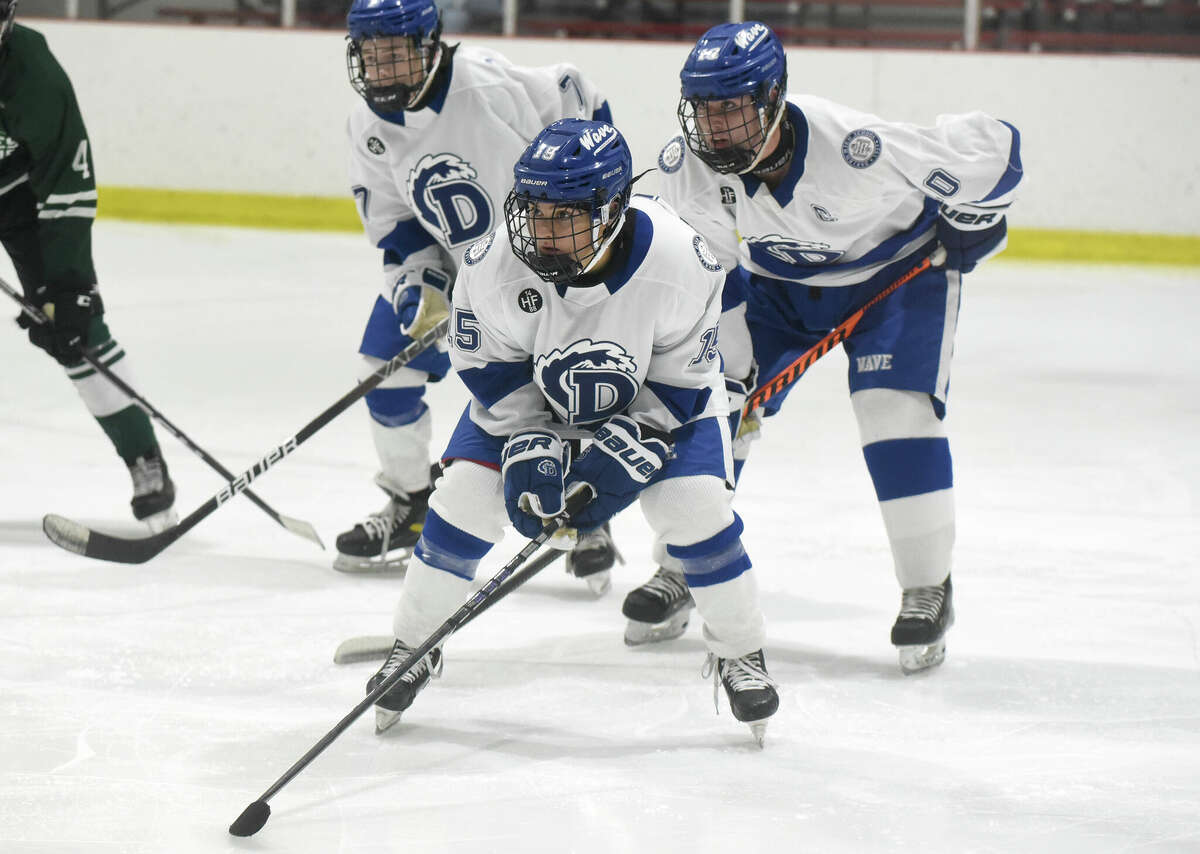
x=815, y=207
x=599, y=327
x=432, y=145
x=47, y=204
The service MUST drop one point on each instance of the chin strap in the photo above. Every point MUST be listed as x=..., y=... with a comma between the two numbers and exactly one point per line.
x=762, y=150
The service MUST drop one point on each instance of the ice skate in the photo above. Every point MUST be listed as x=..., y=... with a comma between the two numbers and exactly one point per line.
x=659, y=610
x=920, y=630
x=153, y=492
x=400, y=696
x=384, y=541
x=752, y=695
x=593, y=557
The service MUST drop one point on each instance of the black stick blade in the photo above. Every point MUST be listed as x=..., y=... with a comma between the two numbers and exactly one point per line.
x=80, y=539
x=251, y=820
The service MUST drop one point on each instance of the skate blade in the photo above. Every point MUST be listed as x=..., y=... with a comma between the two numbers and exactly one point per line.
x=599, y=582
x=160, y=521
x=759, y=730
x=365, y=648
x=395, y=562
x=385, y=720
x=638, y=633
x=914, y=659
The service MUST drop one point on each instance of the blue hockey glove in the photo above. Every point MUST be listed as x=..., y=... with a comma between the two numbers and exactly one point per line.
x=621, y=461
x=532, y=464
x=70, y=314
x=967, y=245
x=418, y=295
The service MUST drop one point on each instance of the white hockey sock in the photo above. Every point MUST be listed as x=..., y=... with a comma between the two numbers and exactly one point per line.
x=430, y=596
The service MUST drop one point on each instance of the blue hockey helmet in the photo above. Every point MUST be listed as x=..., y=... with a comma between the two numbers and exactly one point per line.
x=732, y=62
x=571, y=188
x=393, y=51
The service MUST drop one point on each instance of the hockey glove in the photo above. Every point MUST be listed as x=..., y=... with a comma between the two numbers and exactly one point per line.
x=421, y=300
x=621, y=462
x=70, y=313
x=968, y=244
x=532, y=464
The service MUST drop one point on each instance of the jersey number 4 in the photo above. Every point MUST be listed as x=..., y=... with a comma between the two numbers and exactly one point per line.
x=80, y=161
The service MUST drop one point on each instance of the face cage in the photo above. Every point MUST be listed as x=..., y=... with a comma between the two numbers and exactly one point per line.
x=422, y=59
x=6, y=24
x=733, y=159
x=581, y=248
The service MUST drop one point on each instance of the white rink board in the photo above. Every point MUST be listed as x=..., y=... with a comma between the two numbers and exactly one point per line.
x=142, y=707
x=1105, y=139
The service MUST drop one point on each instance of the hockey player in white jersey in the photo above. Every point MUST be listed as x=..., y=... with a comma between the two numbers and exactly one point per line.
x=815, y=208
x=432, y=145
x=598, y=327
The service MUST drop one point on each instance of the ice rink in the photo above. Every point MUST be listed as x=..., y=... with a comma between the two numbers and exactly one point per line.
x=143, y=707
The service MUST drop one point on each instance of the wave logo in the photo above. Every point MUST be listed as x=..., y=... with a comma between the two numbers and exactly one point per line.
x=445, y=190
x=792, y=251
x=588, y=380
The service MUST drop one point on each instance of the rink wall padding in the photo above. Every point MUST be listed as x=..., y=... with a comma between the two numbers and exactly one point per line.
x=245, y=126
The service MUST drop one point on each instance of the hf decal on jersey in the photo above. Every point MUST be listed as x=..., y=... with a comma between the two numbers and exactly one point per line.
x=478, y=249
x=375, y=145
x=728, y=196
x=861, y=148
x=7, y=145
x=671, y=157
x=707, y=260
x=447, y=196
x=530, y=301
x=588, y=381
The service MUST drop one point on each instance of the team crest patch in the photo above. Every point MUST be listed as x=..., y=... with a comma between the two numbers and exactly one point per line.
x=478, y=249
x=861, y=148
x=671, y=157
x=728, y=196
x=707, y=259
x=530, y=301
x=375, y=145
x=7, y=145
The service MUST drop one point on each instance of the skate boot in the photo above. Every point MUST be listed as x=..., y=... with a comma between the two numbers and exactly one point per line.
x=752, y=695
x=400, y=696
x=384, y=541
x=658, y=610
x=593, y=557
x=153, y=492
x=920, y=631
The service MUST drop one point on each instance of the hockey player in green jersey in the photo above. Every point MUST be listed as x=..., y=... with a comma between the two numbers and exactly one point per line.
x=47, y=204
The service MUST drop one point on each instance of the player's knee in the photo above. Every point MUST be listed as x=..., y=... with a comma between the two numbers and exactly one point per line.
x=686, y=510
x=469, y=497
x=885, y=413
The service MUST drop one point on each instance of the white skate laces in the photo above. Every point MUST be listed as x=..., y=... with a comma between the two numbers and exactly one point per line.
x=922, y=603
x=669, y=586
x=147, y=476
x=743, y=674
x=400, y=653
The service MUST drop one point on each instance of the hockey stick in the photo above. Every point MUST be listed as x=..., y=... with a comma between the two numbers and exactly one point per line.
x=255, y=815
x=80, y=539
x=840, y=333
x=296, y=526
x=375, y=647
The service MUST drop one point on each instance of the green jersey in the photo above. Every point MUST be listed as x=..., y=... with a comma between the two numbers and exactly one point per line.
x=47, y=182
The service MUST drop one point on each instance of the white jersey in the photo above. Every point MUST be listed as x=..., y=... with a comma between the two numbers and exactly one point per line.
x=430, y=182
x=643, y=342
x=860, y=193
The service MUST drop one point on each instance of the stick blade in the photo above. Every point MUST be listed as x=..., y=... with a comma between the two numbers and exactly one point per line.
x=365, y=648
x=302, y=529
x=251, y=820
x=80, y=539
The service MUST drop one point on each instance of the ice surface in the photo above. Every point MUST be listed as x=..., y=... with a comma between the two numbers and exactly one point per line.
x=143, y=707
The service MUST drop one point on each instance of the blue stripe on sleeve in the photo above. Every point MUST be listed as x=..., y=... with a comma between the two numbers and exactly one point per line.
x=904, y=467
x=407, y=237
x=497, y=380
x=684, y=404
x=1012, y=175
x=719, y=558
